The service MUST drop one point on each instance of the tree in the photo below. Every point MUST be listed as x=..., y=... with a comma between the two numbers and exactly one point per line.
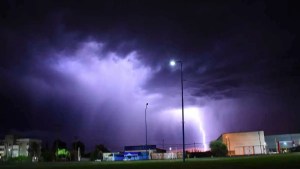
x=218, y=148
x=47, y=154
x=33, y=149
x=78, y=144
x=75, y=146
x=62, y=154
x=58, y=145
x=102, y=148
x=98, y=152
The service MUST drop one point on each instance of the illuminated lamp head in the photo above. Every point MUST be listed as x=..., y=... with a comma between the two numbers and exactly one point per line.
x=172, y=63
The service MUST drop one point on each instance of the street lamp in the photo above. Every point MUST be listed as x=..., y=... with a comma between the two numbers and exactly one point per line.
x=173, y=63
x=146, y=128
x=146, y=122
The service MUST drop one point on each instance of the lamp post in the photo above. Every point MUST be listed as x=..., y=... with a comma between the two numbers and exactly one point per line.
x=173, y=63
x=146, y=128
x=146, y=123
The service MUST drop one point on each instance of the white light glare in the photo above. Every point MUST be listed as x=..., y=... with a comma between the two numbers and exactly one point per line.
x=172, y=63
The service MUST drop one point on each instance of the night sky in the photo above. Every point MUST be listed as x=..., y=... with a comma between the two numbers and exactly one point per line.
x=87, y=69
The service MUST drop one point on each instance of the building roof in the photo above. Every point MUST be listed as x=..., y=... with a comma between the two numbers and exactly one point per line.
x=28, y=140
x=238, y=133
x=243, y=132
x=140, y=147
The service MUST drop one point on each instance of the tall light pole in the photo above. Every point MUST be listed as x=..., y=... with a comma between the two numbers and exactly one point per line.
x=173, y=63
x=146, y=123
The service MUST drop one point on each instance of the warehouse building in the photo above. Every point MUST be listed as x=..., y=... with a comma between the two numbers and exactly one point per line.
x=244, y=143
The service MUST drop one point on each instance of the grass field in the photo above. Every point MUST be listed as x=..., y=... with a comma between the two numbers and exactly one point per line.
x=291, y=161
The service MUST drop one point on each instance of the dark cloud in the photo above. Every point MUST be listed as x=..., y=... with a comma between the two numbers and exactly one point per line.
x=82, y=66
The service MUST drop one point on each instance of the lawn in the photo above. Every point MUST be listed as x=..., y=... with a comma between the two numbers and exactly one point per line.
x=291, y=161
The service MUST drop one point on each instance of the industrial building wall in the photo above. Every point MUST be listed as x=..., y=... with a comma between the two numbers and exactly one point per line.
x=15, y=150
x=245, y=143
x=2, y=150
x=23, y=149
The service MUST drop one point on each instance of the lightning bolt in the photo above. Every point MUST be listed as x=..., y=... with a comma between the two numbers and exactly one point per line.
x=194, y=116
x=203, y=136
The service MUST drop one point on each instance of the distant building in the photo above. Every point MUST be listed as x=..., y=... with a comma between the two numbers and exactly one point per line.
x=113, y=156
x=282, y=142
x=13, y=147
x=142, y=148
x=244, y=143
x=141, y=152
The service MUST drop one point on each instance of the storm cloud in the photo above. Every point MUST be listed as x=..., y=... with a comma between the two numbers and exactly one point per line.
x=87, y=69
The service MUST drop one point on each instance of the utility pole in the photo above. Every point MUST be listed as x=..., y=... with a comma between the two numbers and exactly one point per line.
x=173, y=63
x=182, y=108
x=146, y=123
